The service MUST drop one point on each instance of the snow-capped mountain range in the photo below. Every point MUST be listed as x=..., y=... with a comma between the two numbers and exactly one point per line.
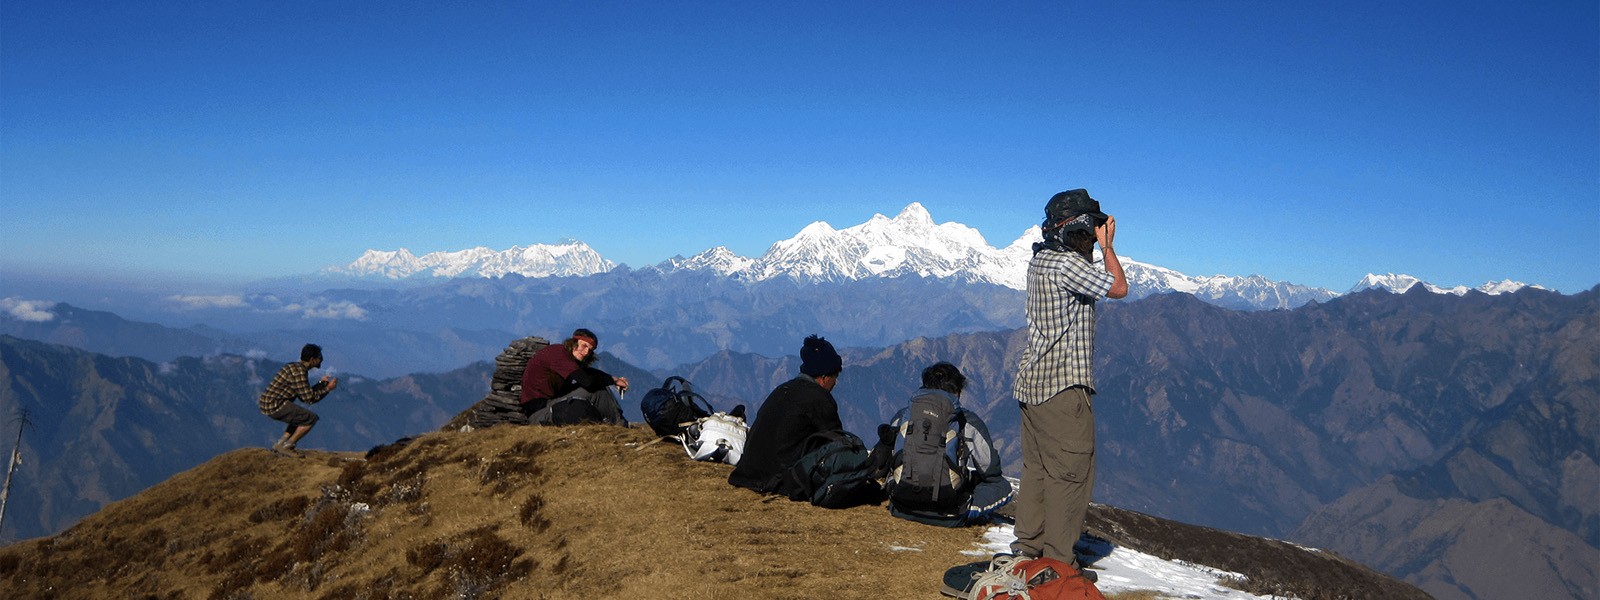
x=571, y=257
x=1400, y=283
x=909, y=244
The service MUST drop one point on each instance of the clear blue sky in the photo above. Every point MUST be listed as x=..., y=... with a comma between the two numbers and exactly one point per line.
x=1304, y=141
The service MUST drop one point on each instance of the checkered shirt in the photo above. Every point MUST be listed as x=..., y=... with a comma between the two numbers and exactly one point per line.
x=290, y=383
x=1062, y=290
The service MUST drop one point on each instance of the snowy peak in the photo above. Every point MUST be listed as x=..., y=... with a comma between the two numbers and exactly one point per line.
x=1396, y=283
x=908, y=244
x=915, y=213
x=1252, y=292
x=719, y=260
x=1401, y=283
x=569, y=258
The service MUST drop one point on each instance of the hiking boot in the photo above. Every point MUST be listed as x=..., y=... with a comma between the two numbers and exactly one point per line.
x=1000, y=579
x=959, y=580
x=1086, y=572
x=289, y=450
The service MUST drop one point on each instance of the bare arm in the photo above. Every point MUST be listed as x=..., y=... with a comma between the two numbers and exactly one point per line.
x=1106, y=234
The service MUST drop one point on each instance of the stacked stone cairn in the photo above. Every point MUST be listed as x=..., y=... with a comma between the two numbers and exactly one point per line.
x=505, y=387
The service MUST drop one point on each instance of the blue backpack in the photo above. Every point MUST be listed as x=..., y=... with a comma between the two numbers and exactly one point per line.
x=671, y=408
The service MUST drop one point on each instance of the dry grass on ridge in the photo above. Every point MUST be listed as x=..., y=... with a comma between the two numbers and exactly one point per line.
x=508, y=512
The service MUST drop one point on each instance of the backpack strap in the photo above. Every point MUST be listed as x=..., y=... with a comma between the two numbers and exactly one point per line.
x=681, y=384
x=700, y=402
x=963, y=453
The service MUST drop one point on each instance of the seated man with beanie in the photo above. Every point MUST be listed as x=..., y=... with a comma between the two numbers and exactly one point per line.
x=790, y=414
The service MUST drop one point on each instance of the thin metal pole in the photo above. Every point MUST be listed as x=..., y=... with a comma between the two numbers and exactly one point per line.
x=11, y=467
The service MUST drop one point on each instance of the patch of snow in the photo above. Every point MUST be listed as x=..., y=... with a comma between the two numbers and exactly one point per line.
x=1126, y=570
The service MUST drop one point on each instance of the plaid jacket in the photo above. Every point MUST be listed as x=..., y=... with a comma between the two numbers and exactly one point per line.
x=290, y=383
x=1062, y=290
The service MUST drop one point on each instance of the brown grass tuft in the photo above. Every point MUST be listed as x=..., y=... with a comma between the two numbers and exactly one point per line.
x=529, y=514
x=428, y=557
x=281, y=510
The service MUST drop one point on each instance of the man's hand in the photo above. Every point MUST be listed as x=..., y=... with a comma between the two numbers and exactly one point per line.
x=622, y=383
x=1106, y=232
x=332, y=382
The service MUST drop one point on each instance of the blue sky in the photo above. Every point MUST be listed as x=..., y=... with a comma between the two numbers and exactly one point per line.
x=1308, y=142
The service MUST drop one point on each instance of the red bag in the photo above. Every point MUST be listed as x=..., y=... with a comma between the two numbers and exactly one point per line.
x=1035, y=579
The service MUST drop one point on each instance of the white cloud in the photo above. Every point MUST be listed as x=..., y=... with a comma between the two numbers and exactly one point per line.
x=311, y=308
x=201, y=302
x=342, y=309
x=33, y=311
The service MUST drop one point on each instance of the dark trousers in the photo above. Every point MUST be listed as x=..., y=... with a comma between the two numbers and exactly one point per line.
x=605, y=408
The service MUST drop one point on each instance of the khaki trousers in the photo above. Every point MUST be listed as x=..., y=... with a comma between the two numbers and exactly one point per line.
x=1057, y=474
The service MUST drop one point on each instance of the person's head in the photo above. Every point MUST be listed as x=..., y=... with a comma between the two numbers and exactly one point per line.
x=1070, y=219
x=582, y=345
x=944, y=376
x=311, y=355
x=819, y=360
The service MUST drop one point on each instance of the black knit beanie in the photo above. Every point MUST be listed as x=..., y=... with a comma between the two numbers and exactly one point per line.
x=817, y=358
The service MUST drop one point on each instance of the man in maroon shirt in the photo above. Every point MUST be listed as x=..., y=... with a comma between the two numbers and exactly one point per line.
x=560, y=386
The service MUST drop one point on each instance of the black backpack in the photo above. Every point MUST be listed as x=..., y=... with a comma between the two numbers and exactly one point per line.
x=572, y=410
x=929, y=474
x=670, y=409
x=834, y=472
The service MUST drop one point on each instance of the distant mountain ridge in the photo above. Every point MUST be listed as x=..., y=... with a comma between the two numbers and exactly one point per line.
x=910, y=244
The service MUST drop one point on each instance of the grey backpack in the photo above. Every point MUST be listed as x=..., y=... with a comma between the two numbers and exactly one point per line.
x=929, y=474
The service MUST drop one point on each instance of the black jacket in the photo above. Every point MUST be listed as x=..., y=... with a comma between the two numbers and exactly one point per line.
x=791, y=413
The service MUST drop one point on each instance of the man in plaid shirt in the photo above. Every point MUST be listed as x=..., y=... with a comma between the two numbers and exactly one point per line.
x=1055, y=379
x=293, y=382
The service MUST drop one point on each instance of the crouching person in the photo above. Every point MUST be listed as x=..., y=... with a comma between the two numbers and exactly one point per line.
x=293, y=383
x=559, y=386
x=944, y=470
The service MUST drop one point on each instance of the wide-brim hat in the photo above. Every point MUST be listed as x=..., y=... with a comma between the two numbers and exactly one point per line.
x=1072, y=203
x=1073, y=209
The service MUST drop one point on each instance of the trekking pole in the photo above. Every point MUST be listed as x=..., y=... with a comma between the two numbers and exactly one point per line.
x=11, y=465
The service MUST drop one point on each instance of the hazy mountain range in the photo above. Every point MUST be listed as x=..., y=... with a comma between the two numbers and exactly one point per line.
x=391, y=313
x=1427, y=435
